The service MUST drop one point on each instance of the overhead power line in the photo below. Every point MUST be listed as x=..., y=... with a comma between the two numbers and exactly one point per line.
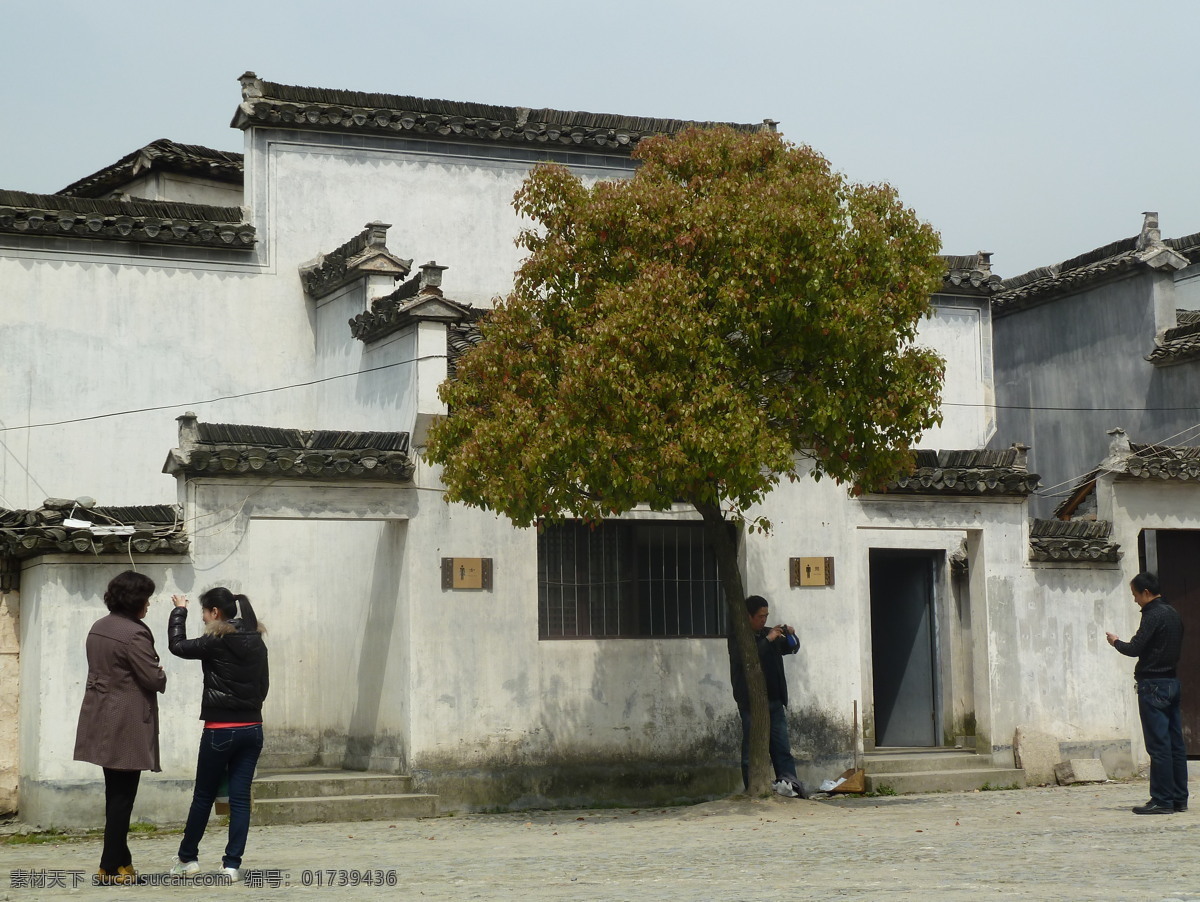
x=247, y=394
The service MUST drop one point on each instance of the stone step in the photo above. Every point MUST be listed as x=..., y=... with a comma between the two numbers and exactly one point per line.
x=335, y=809
x=910, y=762
x=315, y=782
x=903, y=783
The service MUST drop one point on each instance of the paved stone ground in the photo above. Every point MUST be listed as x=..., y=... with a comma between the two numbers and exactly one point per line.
x=1061, y=843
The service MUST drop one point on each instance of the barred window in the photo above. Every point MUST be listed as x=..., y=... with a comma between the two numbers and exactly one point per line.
x=628, y=578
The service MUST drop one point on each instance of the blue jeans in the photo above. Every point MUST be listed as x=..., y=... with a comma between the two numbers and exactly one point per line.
x=1162, y=730
x=780, y=744
x=229, y=752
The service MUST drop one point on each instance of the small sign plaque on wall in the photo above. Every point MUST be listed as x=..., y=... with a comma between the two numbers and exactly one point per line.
x=810, y=571
x=467, y=573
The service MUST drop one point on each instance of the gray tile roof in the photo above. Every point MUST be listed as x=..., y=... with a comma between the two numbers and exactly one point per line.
x=164, y=154
x=1180, y=344
x=1086, y=541
x=223, y=449
x=1043, y=283
x=150, y=221
x=970, y=275
x=145, y=529
x=976, y=472
x=266, y=103
x=1048, y=282
x=1163, y=461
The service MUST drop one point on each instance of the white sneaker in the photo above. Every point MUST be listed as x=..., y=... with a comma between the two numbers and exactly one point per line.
x=184, y=868
x=234, y=874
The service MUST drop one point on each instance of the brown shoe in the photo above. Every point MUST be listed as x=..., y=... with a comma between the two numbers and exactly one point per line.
x=125, y=876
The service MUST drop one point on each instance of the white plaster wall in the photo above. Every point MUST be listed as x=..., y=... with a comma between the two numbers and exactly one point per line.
x=381, y=393
x=88, y=335
x=962, y=333
x=814, y=519
x=454, y=209
x=1069, y=682
x=63, y=596
x=328, y=570
x=10, y=688
x=485, y=690
x=180, y=188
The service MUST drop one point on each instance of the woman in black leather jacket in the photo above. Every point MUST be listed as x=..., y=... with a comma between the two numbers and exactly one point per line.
x=234, y=657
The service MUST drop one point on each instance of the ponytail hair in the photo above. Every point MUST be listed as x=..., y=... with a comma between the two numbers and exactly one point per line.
x=229, y=605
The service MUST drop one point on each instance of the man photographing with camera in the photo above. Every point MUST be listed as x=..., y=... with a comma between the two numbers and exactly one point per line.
x=1157, y=644
x=773, y=643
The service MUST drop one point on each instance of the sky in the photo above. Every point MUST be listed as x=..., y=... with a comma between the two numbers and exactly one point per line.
x=1033, y=130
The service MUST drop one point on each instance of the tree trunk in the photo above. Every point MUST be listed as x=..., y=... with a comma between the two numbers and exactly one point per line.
x=724, y=545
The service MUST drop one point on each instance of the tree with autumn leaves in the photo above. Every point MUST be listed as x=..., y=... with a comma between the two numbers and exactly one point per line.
x=733, y=314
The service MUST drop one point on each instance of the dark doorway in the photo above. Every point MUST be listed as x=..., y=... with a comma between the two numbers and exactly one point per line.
x=903, y=647
x=1179, y=575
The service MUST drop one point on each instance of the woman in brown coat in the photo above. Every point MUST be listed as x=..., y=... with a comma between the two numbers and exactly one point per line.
x=118, y=723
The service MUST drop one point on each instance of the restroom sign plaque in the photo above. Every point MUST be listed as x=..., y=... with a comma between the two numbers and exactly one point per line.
x=467, y=573
x=810, y=571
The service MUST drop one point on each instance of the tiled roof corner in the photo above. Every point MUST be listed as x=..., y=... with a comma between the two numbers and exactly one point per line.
x=977, y=472
x=364, y=254
x=419, y=299
x=146, y=529
x=222, y=449
x=1071, y=541
x=1179, y=344
x=266, y=103
x=191, y=159
x=970, y=275
x=156, y=222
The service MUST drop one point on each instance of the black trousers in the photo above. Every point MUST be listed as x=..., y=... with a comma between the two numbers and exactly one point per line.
x=120, y=790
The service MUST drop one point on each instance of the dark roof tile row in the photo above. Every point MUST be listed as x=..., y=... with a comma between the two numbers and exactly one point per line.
x=973, y=472
x=160, y=222
x=293, y=106
x=1163, y=461
x=146, y=529
x=1065, y=541
x=223, y=449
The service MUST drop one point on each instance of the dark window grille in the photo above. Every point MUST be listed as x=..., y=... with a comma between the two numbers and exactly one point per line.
x=628, y=578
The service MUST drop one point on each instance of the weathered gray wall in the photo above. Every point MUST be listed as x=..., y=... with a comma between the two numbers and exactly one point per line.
x=1080, y=360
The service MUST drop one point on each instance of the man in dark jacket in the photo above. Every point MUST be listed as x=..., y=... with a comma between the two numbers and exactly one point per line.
x=772, y=644
x=1157, y=645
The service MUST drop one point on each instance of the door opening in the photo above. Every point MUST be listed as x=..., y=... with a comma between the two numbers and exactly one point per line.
x=904, y=647
x=1175, y=555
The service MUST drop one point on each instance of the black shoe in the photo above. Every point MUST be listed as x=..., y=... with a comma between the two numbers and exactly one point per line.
x=1153, y=807
x=1180, y=806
